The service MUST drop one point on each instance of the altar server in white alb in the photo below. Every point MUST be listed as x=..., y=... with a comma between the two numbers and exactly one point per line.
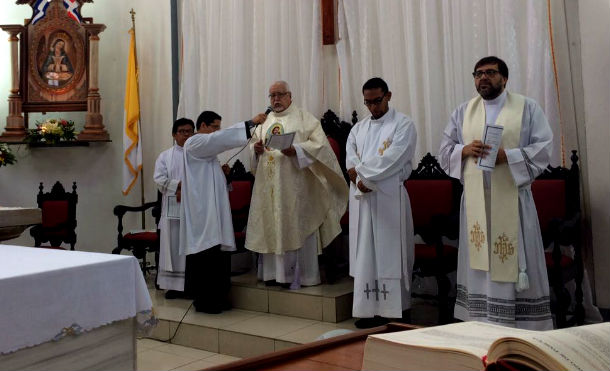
x=168, y=177
x=501, y=274
x=380, y=149
x=206, y=226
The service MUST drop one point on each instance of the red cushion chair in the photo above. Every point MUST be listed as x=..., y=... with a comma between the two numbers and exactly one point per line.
x=139, y=243
x=434, y=200
x=239, y=199
x=556, y=193
x=345, y=218
x=549, y=197
x=58, y=216
x=335, y=146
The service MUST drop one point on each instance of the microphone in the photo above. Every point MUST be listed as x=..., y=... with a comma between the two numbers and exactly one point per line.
x=250, y=124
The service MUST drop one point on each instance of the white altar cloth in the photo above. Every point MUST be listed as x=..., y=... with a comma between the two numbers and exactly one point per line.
x=49, y=294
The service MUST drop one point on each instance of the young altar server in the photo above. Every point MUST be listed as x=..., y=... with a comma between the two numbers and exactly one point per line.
x=168, y=178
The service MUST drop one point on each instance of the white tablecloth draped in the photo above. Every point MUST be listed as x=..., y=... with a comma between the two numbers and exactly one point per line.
x=48, y=294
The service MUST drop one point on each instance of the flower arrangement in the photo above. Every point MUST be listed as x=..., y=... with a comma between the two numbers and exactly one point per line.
x=6, y=156
x=52, y=131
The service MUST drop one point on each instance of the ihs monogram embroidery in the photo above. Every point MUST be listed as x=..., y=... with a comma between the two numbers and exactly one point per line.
x=477, y=236
x=504, y=247
x=386, y=144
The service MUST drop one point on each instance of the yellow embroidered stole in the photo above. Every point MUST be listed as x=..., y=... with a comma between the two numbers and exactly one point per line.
x=504, y=205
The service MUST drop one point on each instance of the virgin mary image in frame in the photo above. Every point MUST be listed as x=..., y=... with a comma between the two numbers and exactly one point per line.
x=57, y=68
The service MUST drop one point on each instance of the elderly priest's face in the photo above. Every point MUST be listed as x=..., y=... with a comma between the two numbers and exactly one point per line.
x=279, y=97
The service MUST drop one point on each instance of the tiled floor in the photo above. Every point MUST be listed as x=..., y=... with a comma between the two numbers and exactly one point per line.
x=160, y=356
x=243, y=333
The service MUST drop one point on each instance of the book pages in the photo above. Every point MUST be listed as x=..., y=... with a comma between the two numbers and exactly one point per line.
x=457, y=346
x=574, y=348
x=469, y=337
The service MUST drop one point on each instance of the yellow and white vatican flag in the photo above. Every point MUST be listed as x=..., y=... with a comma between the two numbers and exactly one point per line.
x=132, y=140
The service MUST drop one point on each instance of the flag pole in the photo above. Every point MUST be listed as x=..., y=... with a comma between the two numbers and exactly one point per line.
x=135, y=46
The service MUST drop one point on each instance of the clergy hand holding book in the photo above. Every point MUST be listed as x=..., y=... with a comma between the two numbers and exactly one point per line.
x=481, y=151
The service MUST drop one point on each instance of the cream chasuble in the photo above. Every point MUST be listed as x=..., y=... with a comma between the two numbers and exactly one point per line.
x=504, y=205
x=289, y=203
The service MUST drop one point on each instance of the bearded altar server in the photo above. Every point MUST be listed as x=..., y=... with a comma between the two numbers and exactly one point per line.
x=379, y=152
x=168, y=177
x=206, y=228
x=299, y=195
x=502, y=275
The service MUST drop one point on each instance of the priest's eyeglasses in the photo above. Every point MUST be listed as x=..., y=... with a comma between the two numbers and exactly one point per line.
x=374, y=102
x=489, y=73
x=278, y=95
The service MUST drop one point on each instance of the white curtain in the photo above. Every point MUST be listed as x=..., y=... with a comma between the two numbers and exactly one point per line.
x=426, y=51
x=232, y=50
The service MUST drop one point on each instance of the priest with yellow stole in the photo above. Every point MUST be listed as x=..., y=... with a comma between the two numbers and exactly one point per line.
x=299, y=194
x=501, y=274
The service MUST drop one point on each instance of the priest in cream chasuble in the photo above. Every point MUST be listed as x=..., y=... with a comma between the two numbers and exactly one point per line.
x=379, y=155
x=299, y=194
x=501, y=274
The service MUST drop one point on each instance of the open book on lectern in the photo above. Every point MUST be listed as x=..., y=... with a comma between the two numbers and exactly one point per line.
x=484, y=346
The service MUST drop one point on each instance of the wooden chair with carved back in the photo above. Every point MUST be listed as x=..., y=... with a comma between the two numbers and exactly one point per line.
x=240, y=194
x=58, y=216
x=556, y=194
x=337, y=132
x=435, y=205
x=140, y=243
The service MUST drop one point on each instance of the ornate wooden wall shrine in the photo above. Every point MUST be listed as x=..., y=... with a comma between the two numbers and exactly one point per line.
x=54, y=67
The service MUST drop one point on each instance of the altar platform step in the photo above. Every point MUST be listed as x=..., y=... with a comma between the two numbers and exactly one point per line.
x=265, y=319
x=238, y=332
x=325, y=302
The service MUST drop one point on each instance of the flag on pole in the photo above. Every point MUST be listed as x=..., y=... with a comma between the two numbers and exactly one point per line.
x=132, y=141
x=40, y=10
x=72, y=9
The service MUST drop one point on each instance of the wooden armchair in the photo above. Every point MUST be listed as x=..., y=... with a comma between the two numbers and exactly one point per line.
x=58, y=216
x=337, y=131
x=435, y=205
x=143, y=242
x=556, y=194
x=239, y=199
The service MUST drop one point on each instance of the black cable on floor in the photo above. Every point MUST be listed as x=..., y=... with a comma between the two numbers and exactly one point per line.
x=179, y=323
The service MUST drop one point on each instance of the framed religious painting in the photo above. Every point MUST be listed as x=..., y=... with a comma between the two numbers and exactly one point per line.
x=56, y=68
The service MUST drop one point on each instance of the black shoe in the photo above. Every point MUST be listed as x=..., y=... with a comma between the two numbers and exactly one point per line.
x=207, y=308
x=406, y=316
x=174, y=294
x=371, y=322
x=272, y=283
